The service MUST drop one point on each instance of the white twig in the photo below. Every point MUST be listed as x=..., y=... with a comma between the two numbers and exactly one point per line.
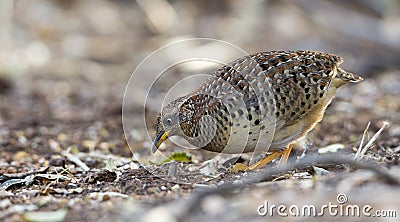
x=75, y=160
x=361, y=151
x=362, y=142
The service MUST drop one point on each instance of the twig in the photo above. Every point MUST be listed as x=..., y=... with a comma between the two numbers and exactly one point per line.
x=75, y=160
x=362, y=141
x=370, y=142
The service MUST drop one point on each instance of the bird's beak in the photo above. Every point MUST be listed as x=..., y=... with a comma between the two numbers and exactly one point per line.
x=160, y=138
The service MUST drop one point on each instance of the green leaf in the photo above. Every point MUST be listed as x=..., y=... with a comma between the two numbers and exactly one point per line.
x=178, y=157
x=74, y=150
x=110, y=166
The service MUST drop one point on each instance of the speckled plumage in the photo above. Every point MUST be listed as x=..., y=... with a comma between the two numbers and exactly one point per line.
x=264, y=100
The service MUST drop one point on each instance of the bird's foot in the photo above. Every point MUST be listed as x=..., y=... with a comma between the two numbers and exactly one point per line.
x=285, y=155
x=243, y=167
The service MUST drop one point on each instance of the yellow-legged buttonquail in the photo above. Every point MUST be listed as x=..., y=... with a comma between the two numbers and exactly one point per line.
x=261, y=102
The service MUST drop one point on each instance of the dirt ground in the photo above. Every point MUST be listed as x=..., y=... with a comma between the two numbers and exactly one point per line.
x=64, y=66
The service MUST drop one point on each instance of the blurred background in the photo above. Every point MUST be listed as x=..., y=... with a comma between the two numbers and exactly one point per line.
x=68, y=62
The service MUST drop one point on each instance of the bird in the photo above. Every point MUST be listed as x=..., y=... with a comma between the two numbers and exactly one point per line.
x=262, y=102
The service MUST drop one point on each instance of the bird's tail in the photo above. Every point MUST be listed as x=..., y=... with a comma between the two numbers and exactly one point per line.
x=348, y=76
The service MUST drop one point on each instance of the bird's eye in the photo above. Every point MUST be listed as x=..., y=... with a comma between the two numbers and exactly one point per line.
x=168, y=122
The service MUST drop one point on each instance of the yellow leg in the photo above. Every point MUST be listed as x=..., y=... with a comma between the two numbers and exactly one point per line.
x=265, y=161
x=285, y=154
x=243, y=167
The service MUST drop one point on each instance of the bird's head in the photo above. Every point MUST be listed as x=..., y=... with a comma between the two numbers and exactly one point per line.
x=176, y=119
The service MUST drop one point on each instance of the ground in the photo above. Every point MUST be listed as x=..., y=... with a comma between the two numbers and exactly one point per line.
x=63, y=151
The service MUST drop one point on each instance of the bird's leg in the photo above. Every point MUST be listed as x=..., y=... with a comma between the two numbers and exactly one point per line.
x=285, y=154
x=243, y=167
x=265, y=161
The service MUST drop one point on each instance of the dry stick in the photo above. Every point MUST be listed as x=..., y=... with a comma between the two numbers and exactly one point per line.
x=362, y=141
x=371, y=141
x=76, y=160
x=267, y=173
